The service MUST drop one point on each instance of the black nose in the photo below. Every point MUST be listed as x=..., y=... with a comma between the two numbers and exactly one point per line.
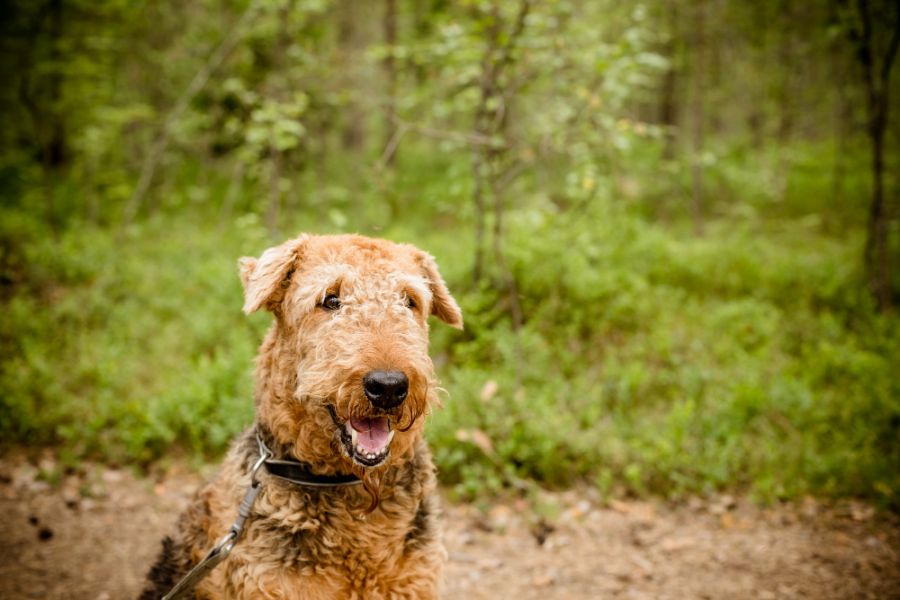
x=385, y=389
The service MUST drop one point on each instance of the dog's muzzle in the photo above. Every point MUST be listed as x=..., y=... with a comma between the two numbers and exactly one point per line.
x=367, y=441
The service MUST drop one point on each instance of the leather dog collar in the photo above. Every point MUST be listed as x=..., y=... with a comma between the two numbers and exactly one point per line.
x=299, y=473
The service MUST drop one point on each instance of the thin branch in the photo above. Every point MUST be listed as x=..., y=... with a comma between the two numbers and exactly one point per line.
x=511, y=174
x=390, y=148
x=518, y=29
x=472, y=139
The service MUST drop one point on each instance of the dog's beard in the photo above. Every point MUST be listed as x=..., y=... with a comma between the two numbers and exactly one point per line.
x=372, y=481
x=401, y=421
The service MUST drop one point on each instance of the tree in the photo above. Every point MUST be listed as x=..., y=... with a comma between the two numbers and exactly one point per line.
x=874, y=29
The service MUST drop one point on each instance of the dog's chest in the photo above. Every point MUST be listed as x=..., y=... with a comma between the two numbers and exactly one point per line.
x=317, y=533
x=335, y=550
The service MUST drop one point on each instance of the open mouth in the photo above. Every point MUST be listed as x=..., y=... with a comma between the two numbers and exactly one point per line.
x=366, y=441
x=370, y=440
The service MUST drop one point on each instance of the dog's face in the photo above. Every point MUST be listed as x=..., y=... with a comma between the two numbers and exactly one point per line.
x=346, y=365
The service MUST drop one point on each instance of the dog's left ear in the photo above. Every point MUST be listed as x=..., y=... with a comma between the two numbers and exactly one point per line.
x=443, y=306
x=263, y=277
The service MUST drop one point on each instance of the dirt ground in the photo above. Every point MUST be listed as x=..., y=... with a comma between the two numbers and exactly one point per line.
x=92, y=536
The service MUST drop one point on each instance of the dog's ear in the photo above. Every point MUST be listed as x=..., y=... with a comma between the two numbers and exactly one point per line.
x=263, y=277
x=443, y=306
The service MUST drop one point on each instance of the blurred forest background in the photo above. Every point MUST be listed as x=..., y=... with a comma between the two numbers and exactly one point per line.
x=671, y=226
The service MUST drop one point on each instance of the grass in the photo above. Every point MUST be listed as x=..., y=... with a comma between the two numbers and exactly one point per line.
x=651, y=360
x=688, y=366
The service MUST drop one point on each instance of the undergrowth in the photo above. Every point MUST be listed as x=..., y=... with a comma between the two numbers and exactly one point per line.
x=650, y=361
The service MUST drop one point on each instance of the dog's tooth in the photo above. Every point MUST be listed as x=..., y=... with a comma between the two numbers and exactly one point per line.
x=390, y=437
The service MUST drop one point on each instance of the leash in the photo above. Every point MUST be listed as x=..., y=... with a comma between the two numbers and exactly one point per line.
x=223, y=547
x=288, y=470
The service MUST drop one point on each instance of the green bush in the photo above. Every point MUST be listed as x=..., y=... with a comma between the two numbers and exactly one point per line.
x=650, y=360
x=678, y=365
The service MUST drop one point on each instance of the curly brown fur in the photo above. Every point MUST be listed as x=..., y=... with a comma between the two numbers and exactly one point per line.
x=372, y=542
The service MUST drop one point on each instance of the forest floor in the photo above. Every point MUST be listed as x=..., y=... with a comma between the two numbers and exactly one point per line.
x=92, y=536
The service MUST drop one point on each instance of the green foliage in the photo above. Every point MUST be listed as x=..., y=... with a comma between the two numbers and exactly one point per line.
x=681, y=212
x=126, y=345
x=674, y=365
x=650, y=361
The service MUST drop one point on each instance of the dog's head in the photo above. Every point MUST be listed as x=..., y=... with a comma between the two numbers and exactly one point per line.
x=344, y=376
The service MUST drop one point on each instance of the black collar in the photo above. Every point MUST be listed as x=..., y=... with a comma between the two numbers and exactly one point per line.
x=299, y=473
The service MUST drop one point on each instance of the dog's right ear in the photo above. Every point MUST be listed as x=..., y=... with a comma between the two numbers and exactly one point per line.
x=263, y=277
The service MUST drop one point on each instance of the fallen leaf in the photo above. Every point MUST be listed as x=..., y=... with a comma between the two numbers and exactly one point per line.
x=861, y=512
x=481, y=439
x=727, y=521
x=489, y=390
x=675, y=544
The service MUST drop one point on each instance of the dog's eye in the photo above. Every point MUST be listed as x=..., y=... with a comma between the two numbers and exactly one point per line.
x=331, y=302
x=410, y=303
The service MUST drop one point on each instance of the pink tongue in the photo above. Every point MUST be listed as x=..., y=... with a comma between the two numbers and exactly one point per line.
x=371, y=434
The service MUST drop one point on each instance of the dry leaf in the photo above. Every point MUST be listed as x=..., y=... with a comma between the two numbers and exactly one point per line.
x=727, y=521
x=489, y=390
x=481, y=439
x=675, y=544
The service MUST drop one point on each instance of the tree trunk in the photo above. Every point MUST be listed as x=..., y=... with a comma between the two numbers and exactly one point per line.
x=668, y=112
x=273, y=213
x=668, y=107
x=785, y=56
x=697, y=191
x=55, y=152
x=480, y=214
x=877, y=258
x=877, y=84
x=353, y=135
x=390, y=72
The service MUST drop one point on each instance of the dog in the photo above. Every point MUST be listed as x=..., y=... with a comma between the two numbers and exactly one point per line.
x=343, y=383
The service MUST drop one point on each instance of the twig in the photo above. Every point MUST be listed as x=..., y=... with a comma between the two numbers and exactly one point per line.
x=473, y=139
x=390, y=148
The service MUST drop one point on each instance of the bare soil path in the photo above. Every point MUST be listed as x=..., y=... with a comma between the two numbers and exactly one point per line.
x=92, y=536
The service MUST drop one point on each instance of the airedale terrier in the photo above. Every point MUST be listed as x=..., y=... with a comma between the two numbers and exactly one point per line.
x=343, y=381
